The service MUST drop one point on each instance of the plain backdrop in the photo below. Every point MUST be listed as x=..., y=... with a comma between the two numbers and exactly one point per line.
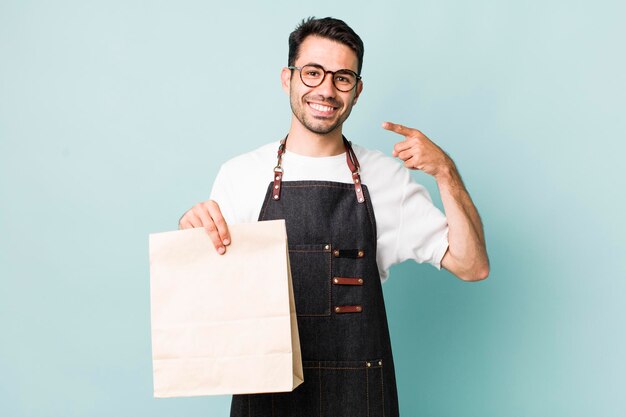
x=116, y=115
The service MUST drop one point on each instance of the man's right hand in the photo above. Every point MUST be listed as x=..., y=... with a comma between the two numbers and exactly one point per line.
x=208, y=215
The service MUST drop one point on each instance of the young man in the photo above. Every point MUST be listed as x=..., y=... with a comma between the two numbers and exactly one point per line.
x=350, y=213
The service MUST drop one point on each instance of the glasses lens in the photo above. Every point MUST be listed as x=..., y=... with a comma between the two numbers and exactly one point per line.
x=312, y=75
x=344, y=80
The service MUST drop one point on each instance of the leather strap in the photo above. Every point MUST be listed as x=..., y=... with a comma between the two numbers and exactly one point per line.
x=278, y=171
x=347, y=281
x=348, y=309
x=353, y=164
x=351, y=159
x=348, y=253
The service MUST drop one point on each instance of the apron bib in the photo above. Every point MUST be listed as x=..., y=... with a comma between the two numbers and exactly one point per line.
x=344, y=338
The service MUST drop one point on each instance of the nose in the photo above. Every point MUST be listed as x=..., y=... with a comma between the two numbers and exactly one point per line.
x=327, y=88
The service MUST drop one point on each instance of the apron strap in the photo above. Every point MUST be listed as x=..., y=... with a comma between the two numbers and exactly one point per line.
x=353, y=164
x=278, y=170
x=351, y=160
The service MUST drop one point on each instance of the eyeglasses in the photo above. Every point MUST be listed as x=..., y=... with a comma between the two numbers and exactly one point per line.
x=313, y=75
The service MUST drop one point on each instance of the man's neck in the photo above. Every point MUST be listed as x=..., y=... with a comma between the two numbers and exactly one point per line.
x=304, y=142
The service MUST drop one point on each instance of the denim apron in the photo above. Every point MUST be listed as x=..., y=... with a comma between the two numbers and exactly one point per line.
x=344, y=338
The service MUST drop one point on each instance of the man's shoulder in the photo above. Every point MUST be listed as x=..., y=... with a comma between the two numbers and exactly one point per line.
x=375, y=161
x=252, y=160
x=361, y=150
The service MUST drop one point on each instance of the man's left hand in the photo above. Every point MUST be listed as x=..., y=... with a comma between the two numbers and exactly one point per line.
x=417, y=151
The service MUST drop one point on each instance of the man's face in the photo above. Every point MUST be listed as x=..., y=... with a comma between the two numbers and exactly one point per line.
x=321, y=109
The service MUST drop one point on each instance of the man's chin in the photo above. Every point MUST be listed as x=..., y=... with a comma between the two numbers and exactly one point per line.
x=322, y=128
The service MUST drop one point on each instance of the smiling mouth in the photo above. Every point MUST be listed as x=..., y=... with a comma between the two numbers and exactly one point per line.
x=322, y=108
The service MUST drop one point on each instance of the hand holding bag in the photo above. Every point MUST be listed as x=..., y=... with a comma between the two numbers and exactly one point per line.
x=223, y=324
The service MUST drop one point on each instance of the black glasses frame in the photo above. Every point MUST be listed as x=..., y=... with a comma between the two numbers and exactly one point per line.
x=332, y=73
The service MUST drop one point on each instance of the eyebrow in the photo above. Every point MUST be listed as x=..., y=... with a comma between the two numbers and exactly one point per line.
x=321, y=66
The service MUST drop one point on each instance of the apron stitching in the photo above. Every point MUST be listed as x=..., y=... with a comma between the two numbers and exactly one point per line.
x=319, y=375
x=330, y=287
x=267, y=200
x=313, y=315
x=367, y=391
x=382, y=389
x=315, y=185
x=372, y=222
x=334, y=368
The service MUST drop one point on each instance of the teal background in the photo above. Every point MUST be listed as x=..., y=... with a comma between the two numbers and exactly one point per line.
x=115, y=116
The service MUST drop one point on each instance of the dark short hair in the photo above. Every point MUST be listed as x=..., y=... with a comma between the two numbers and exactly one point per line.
x=329, y=28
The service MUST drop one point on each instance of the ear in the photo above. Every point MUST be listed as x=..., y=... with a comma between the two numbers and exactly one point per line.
x=359, y=89
x=285, y=79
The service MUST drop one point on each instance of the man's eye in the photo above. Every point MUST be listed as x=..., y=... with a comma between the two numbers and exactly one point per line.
x=313, y=73
x=344, y=78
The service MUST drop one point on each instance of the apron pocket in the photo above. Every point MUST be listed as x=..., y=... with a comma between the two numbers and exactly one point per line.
x=346, y=388
x=311, y=275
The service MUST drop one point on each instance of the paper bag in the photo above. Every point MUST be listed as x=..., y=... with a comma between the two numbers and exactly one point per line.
x=223, y=324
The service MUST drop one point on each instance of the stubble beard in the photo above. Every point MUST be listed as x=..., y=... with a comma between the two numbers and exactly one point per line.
x=298, y=108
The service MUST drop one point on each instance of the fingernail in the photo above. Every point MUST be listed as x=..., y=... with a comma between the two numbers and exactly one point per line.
x=221, y=250
x=226, y=242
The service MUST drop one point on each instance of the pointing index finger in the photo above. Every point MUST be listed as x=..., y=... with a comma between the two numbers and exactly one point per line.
x=399, y=129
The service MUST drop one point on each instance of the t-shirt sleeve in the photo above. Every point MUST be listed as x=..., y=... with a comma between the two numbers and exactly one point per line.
x=422, y=228
x=409, y=225
x=239, y=189
x=222, y=194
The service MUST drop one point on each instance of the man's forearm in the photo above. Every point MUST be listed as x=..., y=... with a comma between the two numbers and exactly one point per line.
x=467, y=253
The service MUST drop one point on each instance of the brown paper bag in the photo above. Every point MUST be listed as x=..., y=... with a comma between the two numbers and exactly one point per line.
x=223, y=324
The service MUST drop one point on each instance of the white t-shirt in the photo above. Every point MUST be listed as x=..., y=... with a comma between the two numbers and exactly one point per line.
x=409, y=226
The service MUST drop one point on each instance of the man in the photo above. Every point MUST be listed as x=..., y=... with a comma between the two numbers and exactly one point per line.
x=350, y=213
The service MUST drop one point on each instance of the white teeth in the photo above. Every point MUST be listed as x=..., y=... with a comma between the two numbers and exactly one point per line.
x=320, y=107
